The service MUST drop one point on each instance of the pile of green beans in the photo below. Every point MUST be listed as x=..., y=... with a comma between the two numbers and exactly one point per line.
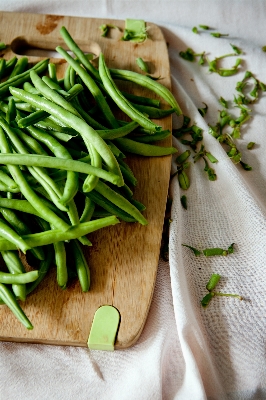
x=63, y=173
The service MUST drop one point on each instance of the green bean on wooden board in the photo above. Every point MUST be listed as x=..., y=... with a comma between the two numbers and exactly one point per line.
x=9, y=299
x=120, y=100
x=59, y=156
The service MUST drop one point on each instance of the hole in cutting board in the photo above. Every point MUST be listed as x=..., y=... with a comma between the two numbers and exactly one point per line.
x=31, y=47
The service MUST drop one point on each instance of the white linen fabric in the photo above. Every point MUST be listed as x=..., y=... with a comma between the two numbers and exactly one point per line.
x=185, y=352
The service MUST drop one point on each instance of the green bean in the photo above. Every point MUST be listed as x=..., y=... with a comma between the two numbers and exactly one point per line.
x=214, y=279
x=146, y=101
x=118, y=132
x=149, y=83
x=43, y=269
x=7, y=180
x=30, y=88
x=21, y=278
x=20, y=67
x=109, y=206
x=52, y=72
x=9, y=299
x=60, y=262
x=10, y=64
x=10, y=234
x=88, y=210
x=5, y=188
x=2, y=67
x=143, y=149
x=78, y=52
x=142, y=64
x=26, y=190
x=57, y=235
x=152, y=138
x=127, y=173
x=56, y=162
x=120, y=100
x=11, y=111
x=154, y=112
x=31, y=143
x=23, y=77
x=76, y=123
x=92, y=86
x=120, y=202
x=15, y=266
x=81, y=266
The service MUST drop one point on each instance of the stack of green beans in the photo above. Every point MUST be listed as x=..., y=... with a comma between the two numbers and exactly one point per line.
x=62, y=170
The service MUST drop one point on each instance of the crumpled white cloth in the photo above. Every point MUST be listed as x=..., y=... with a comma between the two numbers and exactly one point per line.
x=185, y=352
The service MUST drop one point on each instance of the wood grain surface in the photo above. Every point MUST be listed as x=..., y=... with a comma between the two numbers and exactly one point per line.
x=123, y=259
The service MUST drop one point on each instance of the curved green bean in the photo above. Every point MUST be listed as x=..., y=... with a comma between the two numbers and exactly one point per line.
x=120, y=100
x=81, y=266
x=43, y=269
x=15, y=266
x=149, y=83
x=9, y=299
x=22, y=278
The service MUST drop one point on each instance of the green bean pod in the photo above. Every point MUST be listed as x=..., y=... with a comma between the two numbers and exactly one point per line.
x=15, y=266
x=121, y=101
x=61, y=266
x=21, y=278
x=81, y=264
x=9, y=299
x=57, y=235
x=143, y=149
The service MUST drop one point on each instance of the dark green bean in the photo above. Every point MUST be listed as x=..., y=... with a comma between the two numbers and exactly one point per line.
x=146, y=101
x=60, y=262
x=118, y=132
x=81, y=266
x=10, y=234
x=120, y=100
x=43, y=269
x=88, y=210
x=154, y=112
x=9, y=299
x=143, y=149
x=15, y=266
x=152, y=138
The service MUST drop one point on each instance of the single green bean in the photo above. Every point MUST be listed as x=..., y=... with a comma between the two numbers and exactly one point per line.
x=52, y=71
x=146, y=101
x=118, y=132
x=152, y=138
x=9, y=299
x=2, y=67
x=120, y=100
x=10, y=234
x=154, y=112
x=143, y=149
x=88, y=210
x=214, y=279
x=15, y=266
x=78, y=52
x=26, y=277
x=61, y=266
x=81, y=266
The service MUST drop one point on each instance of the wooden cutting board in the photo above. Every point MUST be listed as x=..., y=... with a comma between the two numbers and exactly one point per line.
x=124, y=258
